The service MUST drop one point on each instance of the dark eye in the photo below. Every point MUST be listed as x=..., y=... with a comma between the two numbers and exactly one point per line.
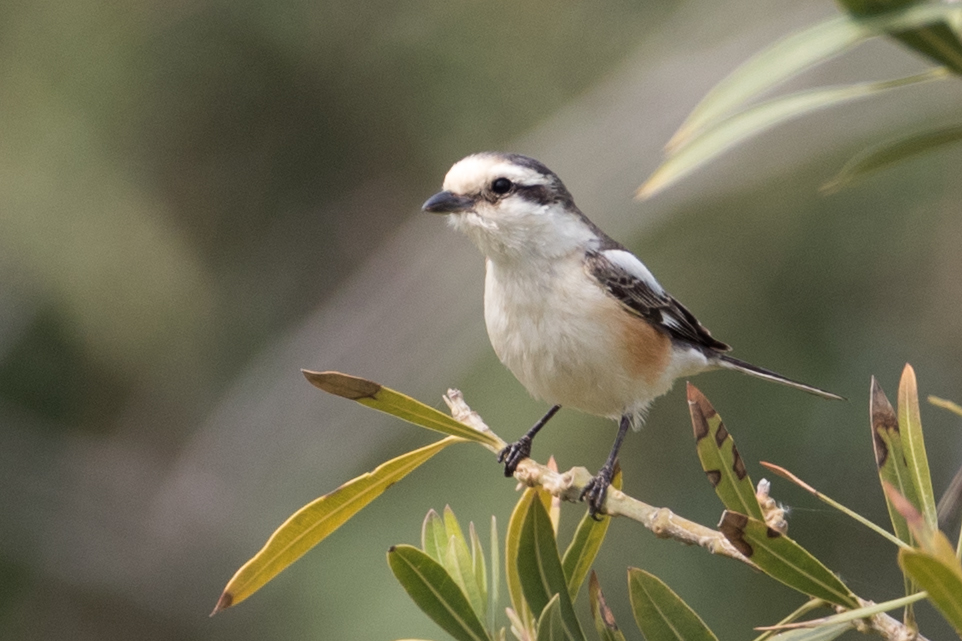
x=501, y=185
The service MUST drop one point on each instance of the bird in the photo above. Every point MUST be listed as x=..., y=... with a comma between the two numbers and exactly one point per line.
x=578, y=319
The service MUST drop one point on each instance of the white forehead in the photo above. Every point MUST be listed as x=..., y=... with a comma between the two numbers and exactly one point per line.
x=469, y=175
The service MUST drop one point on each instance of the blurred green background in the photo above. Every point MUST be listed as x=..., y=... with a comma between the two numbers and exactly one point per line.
x=199, y=198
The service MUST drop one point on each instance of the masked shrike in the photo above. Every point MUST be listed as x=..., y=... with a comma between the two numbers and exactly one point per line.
x=575, y=316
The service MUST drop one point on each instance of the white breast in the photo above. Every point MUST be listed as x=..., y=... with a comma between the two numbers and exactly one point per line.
x=558, y=333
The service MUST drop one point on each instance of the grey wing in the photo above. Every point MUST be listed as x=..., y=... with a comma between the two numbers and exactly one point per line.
x=627, y=279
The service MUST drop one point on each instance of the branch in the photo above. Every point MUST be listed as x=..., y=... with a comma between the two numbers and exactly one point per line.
x=568, y=485
x=663, y=523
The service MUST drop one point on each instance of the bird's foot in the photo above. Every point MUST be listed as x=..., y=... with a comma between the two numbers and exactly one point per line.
x=596, y=490
x=514, y=454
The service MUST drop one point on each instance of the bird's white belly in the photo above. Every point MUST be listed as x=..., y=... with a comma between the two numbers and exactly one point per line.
x=564, y=339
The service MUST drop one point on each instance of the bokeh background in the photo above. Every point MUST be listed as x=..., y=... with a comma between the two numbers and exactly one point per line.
x=199, y=198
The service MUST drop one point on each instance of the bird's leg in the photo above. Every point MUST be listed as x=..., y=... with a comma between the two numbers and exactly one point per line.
x=597, y=488
x=521, y=449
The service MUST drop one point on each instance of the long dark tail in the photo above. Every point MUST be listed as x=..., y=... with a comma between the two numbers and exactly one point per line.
x=760, y=372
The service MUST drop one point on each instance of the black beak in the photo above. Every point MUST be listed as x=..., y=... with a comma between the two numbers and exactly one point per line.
x=446, y=202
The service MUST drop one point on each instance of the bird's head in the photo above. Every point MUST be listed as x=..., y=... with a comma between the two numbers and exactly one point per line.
x=511, y=206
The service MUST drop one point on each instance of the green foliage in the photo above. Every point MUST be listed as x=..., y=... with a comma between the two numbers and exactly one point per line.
x=727, y=116
x=450, y=579
x=660, y=613
x=720, y=459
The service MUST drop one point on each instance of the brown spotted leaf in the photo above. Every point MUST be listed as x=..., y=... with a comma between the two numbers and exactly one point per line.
x=893, y=470
x=890, y=457
x=784, y=560
x=389, y=401
x=719, y=457
x=604, y=618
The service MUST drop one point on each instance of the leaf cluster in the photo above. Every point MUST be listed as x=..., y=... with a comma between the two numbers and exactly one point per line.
x=450, y=579
x=735, y=110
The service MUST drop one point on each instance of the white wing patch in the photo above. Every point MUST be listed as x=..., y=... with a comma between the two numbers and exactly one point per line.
x=630, y=263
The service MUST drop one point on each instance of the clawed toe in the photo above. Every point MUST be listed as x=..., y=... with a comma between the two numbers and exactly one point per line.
x=595, y=492
x=514, y=454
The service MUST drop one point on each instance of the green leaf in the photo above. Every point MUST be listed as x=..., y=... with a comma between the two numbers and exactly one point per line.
x=313, y=522
x=792, y=55
x=935, y=566
x=910, y=425
x=946, y=404
x=937, y=41
x=540, y=571
x=386, y=400
x=478, y=568
x=846, y=619
x=821, y=633
x=511, y=542
x=550, y=624
x=720, y=459
x=436, y=593
x=603, y=616
x=890, y=458
x=890, y=153
x=781, y=471
x=457, y=561
x=660, y=613
x=722, y=136
x=783, y=559
x=942, y=581
x=434, y=538
x=495, y=578
x=584, y=546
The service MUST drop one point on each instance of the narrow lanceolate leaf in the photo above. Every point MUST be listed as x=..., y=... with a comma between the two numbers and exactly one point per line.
x=386, y=400
x=849, y=617
x=457, y=562
x=714, y=140
x=893, y=470
x=784, y=560
x=937, y=41
x=792, y=55
x=660, y=613
x=910, y=424
x=768, y=68
x=478, y=567
x=603, y=616
x=942, y=582
x=946, y=404
x=781, y=471
x=890, y=153
x=934, y=566
x=720, y=459
x=495, y=578
x=584, y=546
x=313, y=522
x=540, y=571
x=550, y=624
x=436, y=593
x=821, y=633
x=511, y=541
x=930, y=540
x=434, y=538
x=890, y=457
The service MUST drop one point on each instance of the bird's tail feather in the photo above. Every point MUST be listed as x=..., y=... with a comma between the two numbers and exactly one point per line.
x=753, y=370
